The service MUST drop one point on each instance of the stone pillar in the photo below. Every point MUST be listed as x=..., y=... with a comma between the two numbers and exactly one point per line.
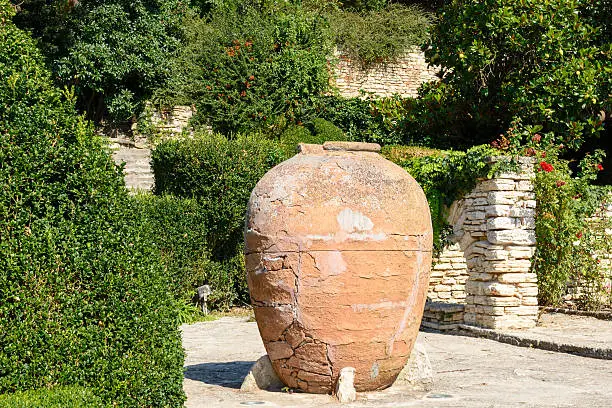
x=448, y=276
x=498, y=237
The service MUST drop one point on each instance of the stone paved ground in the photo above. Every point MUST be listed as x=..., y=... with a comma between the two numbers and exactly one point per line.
x=579, y=330
x=468, y=372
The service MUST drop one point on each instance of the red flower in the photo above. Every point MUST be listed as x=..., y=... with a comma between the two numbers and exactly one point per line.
x=599, y=167
x=579, y=235
x=547, y=167
x=543, y=154
x=560, y=183
x=537, y=137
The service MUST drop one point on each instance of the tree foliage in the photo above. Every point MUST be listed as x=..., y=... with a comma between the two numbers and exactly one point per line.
x=548, y=62
x=249, y=65
x=113, y=52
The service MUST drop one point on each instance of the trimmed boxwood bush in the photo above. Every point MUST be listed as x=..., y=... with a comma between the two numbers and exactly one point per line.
x=325, y=131
x=60, y=397
x=178, y=227
x=317, y=132
x=83, y=300
x=358, y=118
x=219, y=173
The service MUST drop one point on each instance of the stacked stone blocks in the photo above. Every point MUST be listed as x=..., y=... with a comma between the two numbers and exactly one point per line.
x=499, y=241
x=172, y=121
x=448, y=276
x=494, y=241
x=403, y=76
x=442, y=316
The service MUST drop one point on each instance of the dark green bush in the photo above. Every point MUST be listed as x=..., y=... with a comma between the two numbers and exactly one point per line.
x=366, y=120
x=324, y=131
x=60, y=397
x=179, y=229
x=220, y=174
x=364, y=5
x=251, y=65
x=113, y=52
x=83, y=300
x=317, y=131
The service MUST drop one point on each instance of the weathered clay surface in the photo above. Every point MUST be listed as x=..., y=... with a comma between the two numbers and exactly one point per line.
x=338, y=253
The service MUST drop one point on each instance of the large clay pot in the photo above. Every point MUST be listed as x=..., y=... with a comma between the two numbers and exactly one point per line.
x=338, y=252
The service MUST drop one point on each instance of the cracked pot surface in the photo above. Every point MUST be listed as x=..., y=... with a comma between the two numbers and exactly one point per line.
x=338, y=252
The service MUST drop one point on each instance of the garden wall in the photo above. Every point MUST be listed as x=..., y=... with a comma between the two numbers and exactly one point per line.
x=403, y=76
x=494, y=239
x=135, y=151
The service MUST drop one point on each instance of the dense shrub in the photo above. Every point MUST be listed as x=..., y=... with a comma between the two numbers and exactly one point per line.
x=363, y=119
x=379, y=35
x=251, y=65
x=82, y=295
x=547, y=62
x=318, y=131
x=364, y=5
x=568, y=246
x=179, y=229
x=220, y=174
x=324, y=131
x=60, y=397
x=113, y=52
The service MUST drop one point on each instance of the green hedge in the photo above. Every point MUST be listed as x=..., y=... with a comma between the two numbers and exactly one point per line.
x=179, y=229
x=219, y=174
x=365, y=120
x=83, y=299
x=60, y=397
x=317, y=131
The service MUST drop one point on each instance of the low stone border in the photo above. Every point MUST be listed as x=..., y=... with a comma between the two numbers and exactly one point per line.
x=603, y=315
x=524, y=341
x=442, y=316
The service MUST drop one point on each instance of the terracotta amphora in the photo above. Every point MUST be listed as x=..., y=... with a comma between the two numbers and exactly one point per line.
x=338, y=253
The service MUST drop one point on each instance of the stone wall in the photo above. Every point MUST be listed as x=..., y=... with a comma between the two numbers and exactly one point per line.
x=494, y=231
x=173, y=120
x=442, y=316
x=134, y=150
x=402, y=77
x=448, y=276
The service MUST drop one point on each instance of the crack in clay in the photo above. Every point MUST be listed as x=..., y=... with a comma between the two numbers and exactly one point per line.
x=298, y=274
x=336, y=250
x=377, y=306
x=263, y=303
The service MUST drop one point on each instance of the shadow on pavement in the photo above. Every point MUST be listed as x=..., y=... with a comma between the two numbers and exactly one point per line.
x=229, y=374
